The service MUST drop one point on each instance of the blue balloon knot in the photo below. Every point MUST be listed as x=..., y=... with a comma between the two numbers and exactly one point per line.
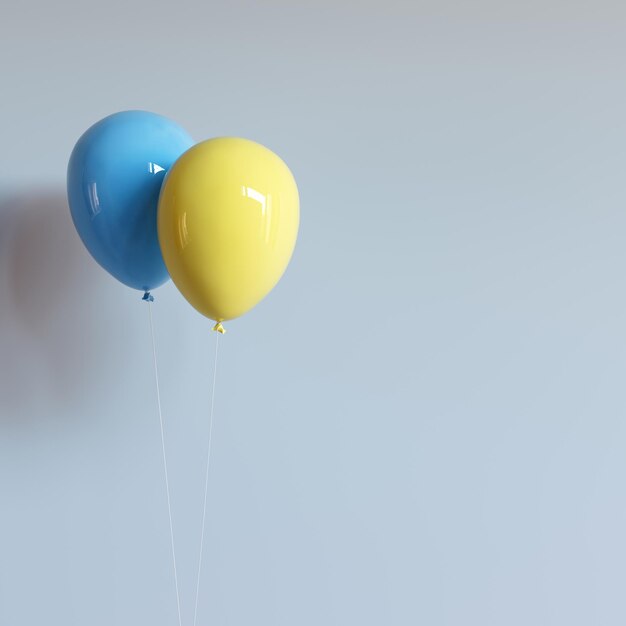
x=148, y=297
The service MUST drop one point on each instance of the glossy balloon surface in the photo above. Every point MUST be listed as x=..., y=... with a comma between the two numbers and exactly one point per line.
x=228, y=221
x=114, y=178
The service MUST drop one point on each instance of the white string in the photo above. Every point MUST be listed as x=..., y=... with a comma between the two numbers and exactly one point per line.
x=206, y=479
x=167, y=482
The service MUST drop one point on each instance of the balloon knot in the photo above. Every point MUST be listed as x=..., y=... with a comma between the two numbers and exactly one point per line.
x=218, y=328
x=148, y=297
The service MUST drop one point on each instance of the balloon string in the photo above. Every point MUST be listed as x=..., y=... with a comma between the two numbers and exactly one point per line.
x=167, y=482
x=206, y=480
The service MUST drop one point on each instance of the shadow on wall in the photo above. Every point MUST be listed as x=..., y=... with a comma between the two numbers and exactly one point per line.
x=50, y=291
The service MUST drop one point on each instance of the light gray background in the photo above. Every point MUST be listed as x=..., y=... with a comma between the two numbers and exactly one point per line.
x=425, y=423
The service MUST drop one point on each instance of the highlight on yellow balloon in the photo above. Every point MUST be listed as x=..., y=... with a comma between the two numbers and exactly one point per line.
x=227, y=222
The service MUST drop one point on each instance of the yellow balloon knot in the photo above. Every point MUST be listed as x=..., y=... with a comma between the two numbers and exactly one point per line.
x=218, y=328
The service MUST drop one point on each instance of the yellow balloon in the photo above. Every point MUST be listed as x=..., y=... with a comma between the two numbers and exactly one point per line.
x=227, y=222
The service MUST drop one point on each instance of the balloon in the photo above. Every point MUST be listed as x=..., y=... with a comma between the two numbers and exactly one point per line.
x=113, y=181
x=227, y=222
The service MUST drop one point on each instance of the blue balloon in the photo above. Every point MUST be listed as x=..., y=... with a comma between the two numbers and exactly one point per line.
x=113, y=182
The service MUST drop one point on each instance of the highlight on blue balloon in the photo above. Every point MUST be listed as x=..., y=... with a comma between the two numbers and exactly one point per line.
x=114, y=179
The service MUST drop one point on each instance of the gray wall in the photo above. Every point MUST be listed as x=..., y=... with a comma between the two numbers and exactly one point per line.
x=425, y=423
